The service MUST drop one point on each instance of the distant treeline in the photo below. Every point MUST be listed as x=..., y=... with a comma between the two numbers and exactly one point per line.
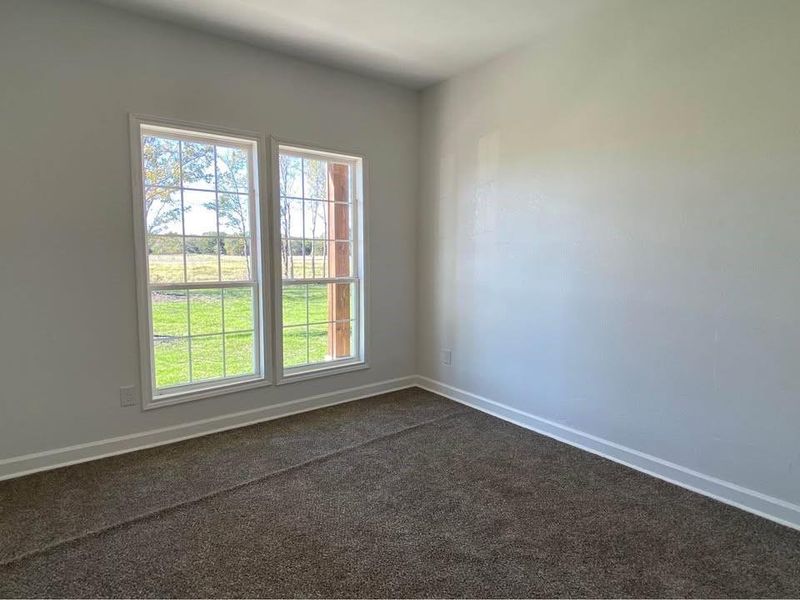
x=228, y=245
x=234, y=246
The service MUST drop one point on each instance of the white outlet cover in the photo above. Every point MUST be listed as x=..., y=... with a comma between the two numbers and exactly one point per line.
x=127, y=395
x=447, y=357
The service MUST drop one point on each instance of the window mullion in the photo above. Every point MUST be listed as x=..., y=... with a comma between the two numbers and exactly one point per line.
x=319, y=280
x=185, y=267
x=203, y=285
x=189, y=332
x=219, y=263
x=308, y=318
x=183, y=220
x=216, y=206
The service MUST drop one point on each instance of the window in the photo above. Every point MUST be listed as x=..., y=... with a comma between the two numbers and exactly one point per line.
x=206, y=306
x=321, y=292
x=201, y=304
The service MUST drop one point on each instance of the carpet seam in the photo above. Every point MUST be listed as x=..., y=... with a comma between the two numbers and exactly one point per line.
x=225, y=490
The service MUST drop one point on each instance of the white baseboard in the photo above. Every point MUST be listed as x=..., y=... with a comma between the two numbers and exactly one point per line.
x=60, y=457
x=746, y=499
x=775, y=509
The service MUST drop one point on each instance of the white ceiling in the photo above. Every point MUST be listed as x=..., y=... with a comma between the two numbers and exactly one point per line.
x=410, y=42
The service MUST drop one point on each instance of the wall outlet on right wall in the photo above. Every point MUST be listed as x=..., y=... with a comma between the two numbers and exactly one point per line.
x=447, y=357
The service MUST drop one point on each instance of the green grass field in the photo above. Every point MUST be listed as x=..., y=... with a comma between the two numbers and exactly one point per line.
x=202, y=313
x=168, y=268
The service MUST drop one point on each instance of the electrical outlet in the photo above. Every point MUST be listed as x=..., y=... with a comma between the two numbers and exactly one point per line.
x=127, y=395
x=447, y=357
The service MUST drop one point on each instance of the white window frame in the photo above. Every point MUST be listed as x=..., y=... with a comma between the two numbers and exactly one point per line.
x=358, y=196
x=260, y=240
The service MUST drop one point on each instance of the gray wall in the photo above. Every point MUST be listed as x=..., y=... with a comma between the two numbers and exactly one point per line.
x=610, y=232
x=70, y=74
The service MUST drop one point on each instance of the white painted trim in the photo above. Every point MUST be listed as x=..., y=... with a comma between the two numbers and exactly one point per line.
x=60, y=457
x=257, y=144
x=326, y=370
x=763, y=505
x=360, y=248
x=774, y=509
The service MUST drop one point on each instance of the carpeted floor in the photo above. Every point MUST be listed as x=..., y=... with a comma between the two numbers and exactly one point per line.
x=405, y=494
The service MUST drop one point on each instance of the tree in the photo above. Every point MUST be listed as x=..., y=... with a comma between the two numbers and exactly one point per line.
x=202, y=245
x=234, y=206
x=161, y=164
x=316, y=181
x=288, y=172
x=161, y=167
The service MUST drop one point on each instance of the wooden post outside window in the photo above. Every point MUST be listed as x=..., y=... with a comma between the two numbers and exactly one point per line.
x=339, y=260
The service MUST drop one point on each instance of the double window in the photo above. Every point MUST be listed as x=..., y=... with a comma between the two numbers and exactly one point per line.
x=211, y=318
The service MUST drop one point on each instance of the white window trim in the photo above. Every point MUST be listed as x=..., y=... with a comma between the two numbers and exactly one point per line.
x=360, y=249
x=261, y=237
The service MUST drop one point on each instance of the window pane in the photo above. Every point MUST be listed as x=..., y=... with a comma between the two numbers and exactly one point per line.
x=207, y=357
x=291, y=258
x=292, y=218
x=171, y=358
x=160, y=161
x=236, y=263
x=325, y=303
x=198, y=165
x=318, y=262
x=200, y=213
x=353, y=299
x=300, y=250
x=239, y=309
x=297, y=255
x=304, y=256
x=295, y=346
x=318, y=303
x=205, y=311
x=294, y=305
x=318, y=343
x=342, y=259
x=233, y=170
x=290, y=176
x=340, y=216
x=239, y=354
x=342, y=301
x=170, y=313
x=165, y=259
x=344, y=340
x=202, y=262
x=340, y=173
x=316, y=220
x=163, y=211
x=234, y=214
x=315, y=179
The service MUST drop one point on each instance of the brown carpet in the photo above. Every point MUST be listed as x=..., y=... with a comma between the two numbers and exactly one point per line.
x=405, y=494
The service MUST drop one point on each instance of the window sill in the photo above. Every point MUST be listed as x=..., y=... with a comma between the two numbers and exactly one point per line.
x=326, y=370
x=220, y=389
